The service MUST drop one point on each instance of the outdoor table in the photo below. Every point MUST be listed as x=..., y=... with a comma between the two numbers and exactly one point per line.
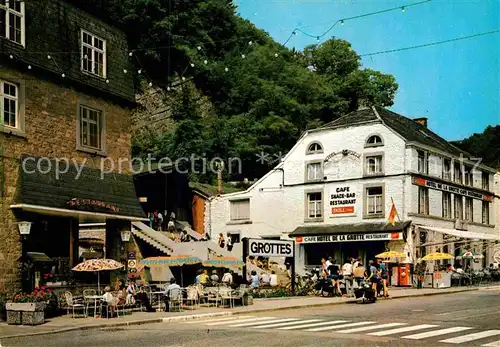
x=160, y=294
x=95, y=298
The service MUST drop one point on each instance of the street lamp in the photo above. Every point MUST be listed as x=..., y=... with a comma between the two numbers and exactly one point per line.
x=24, y=231
x=125, y=234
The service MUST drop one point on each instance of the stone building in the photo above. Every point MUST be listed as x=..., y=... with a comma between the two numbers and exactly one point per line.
x=333, y=192
x=65, y=103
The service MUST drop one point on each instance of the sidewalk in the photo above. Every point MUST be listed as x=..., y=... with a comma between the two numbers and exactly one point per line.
x=66, y=323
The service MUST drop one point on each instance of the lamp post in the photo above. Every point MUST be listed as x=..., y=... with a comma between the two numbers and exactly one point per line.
x=24, y=231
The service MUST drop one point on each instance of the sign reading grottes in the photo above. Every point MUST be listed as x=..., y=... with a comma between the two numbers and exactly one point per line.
x=270, y=248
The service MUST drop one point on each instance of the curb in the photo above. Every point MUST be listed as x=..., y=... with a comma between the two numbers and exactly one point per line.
x=222, y=314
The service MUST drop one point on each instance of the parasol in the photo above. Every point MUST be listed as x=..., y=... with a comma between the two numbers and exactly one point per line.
x=224, y=262
x=391, y=254
x=176, y=260
x=437, y=256
x=469, y=255
x=97, y=265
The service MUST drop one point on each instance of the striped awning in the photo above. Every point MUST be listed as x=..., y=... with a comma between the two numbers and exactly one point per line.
x=178, y=260
x=223, y=262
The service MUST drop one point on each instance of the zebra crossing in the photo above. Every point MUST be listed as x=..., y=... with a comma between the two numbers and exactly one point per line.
x=456, y=335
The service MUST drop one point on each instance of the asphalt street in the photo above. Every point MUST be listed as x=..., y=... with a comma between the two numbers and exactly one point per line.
x=463, y=319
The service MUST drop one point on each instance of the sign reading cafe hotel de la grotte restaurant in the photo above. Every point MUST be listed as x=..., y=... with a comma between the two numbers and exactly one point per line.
x=334, y=190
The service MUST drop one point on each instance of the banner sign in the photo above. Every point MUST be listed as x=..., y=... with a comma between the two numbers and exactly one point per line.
x=452, y=189
x=350, y=237
x=342, y=201
x=270, y=248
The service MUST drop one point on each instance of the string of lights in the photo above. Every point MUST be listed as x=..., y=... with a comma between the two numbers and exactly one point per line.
x=343, y=20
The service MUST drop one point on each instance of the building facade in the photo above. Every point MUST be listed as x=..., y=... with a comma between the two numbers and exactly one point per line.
x=333, y=193
x=65, y=102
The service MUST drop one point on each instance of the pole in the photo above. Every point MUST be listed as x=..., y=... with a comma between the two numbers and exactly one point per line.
x=245, y=255
x=292, y=272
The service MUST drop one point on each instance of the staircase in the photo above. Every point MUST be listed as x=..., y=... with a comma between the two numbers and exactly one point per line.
x=154, y=238
x=187, y=228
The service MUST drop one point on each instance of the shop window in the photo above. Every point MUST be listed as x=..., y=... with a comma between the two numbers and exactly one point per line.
x=423, y=200
x=447, y=205
x=9, y=104
x=91, y=130
x=447, y=169
x=486, y=213
x=374, y=141
x=374, y=202
x=236, y=237
x=314, y=205
x=12, y=21
x=374, y=165
x=314, y=171
x=314, y=148
x=459, y=209
x=457, y=171
x=240, y=210
x=423, y=164
x=469, y=176
x=93, y=50
x=469, y=209
x=485, y=181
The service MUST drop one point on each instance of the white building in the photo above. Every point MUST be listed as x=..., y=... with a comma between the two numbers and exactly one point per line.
x=334, y=189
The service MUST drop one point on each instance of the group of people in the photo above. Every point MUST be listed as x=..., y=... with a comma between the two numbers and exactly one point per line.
x=353, y=270
x=263, y=280
x=222, y=242
x=202, y=278
x=125, y=295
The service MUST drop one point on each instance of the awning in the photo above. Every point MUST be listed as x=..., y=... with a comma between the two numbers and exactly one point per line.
x=92, y=255
x=317, y=230
x=52, y=187
x=38, y=257
x=495, y=236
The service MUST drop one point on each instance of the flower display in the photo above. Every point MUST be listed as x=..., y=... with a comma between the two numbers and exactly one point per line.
x=40, y=294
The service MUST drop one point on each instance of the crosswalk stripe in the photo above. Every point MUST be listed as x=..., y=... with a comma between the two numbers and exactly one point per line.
x=435, y=333
x=492, y=344
x=217, y=319
x=241, y=320
x=340, y=326
x=402, y=330
x=302, y=326
x=472, y=337
x=256, y=323
x=284, y=324
x=381, y=326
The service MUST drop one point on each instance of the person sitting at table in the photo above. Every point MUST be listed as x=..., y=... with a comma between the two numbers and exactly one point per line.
x=110, y=300
x=227, y=279
x=214, y=278
x=204, y=278
x=122, y=292
x=266, y=279
x=171, y=292
x=139, y=295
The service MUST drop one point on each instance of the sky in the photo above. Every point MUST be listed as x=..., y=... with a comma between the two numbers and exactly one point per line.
x=456, y=85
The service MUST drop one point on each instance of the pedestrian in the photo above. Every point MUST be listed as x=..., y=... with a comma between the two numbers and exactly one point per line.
x=160, y=221
x=385, y=277
x=373, y=276
x=333, y=275
x=172, y=292
x=151, y=220
x=347, y=274
x=254, y=280
x=222, y=242
x=359, y=273
x=229, y=243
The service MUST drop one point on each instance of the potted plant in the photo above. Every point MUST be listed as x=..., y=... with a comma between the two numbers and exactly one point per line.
x=28, y=309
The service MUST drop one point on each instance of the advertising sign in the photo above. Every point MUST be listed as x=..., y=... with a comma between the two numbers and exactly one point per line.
x=270, y=248
x=449, y=188
x=343, y=201
x=350, y=237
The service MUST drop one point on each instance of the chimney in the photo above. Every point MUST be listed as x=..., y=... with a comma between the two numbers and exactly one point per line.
x=421, y=121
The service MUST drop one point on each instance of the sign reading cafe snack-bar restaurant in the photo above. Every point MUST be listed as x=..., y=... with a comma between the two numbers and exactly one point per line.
x=270, y=248
x=342, y=201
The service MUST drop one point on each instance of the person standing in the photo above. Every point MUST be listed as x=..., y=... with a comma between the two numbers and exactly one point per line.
x=160, y=221
x=348, y=279
x=333, y=271
x=384, y=275
x=373, y=276
x=229, y=243
x=222, y=241
x=254, y=280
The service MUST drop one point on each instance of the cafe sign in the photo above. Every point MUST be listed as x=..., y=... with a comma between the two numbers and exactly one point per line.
x=452, y=189
x=342, y=201
x=350, y=237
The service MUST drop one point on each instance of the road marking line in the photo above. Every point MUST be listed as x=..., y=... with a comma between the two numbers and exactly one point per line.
x=492, y=344
x=284, y=324
x=256, y=323
x=313, y=325
x=435, y=333
x=217, y=320
x=341, y=326
x=402, y=330
x=472, y=337
x=381, y=326
x=241, y=320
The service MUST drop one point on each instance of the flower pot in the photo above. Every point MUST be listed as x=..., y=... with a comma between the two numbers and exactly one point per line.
x=26, y=313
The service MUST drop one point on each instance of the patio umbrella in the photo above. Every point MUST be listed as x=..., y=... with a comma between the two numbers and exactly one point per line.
x=470, y=255
x=437, y=256
x=177, y=260
x=98, y=265
x=224, y=262
x=391, y=254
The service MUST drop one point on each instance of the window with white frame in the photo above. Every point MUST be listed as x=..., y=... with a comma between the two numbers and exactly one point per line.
x=469, y=209
x=373, y=165
x=485, y=181
x=447, y=205
x=374, y=141
x=459, y=207
x=447, y=169
x=468, y=176
x=457, y=169
x=240, y=210
x=314, y=205
x=9, y=104
x=91, y=130
x=93, y=54
x=12, y=20
x=314, y=148
x=486, y=213
x=374, y=200
x=423, y=200
x=423, y=166
x=314, y=171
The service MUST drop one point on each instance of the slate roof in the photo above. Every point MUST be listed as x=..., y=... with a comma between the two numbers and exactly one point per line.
x=316, y=230
x=406, y=127
x=208, y=190
x=46, y=189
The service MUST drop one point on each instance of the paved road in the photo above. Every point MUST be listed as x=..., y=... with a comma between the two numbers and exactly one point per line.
x=464, y=319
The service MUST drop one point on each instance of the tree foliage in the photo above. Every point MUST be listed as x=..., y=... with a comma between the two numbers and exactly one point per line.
x=485, y=145
x=264, y=95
